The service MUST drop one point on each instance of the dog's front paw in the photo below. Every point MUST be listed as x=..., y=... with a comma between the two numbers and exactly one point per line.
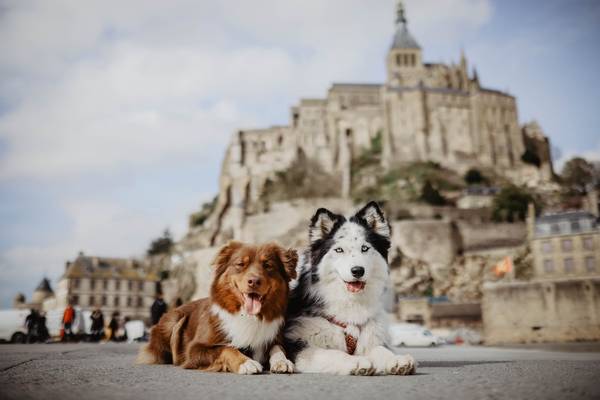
x=401, y=365
x=361, y=366
x=250, y=367
x=282, y=366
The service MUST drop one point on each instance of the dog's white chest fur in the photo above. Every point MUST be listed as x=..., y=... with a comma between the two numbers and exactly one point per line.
x=247, y=330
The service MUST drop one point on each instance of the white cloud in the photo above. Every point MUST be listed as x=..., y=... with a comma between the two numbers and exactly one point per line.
x=102, y=87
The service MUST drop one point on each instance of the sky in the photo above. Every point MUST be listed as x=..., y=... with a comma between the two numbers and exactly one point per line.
x=114, y=116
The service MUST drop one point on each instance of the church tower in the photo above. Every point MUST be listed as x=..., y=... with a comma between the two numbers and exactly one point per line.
x=405, y=53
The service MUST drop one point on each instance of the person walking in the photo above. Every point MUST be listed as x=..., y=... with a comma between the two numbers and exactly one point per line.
x=97, y=329
x=159, y=307
x=31, y=324
x=68, y=319
x=42, y=328
x=113, y=327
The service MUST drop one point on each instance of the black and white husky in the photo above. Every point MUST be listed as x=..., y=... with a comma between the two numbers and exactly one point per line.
x=336, y=322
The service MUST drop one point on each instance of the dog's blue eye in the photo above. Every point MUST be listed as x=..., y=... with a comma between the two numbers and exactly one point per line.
x=339, y=250
x=364, y=248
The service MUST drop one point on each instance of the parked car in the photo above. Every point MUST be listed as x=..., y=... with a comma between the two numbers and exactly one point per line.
x=413, y=335
x=464, y=336
x=12, y=326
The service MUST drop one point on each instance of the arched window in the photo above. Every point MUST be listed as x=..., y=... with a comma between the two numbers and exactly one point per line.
x=413, y=60
x=399, y=59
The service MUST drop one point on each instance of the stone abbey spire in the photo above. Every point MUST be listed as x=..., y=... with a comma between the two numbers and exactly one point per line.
x=403, y=39
x=405, y=53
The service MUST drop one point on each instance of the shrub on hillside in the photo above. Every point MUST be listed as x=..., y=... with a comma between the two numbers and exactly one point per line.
x=161, y=245
x=431, y=195
x=510, y=204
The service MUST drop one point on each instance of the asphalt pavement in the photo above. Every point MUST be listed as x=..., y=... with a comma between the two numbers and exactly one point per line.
x=107, y=371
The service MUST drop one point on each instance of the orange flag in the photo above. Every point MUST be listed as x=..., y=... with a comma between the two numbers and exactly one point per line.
x=503, y=267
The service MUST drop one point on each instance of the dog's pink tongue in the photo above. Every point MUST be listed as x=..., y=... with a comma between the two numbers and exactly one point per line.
x=252, y=305
x=355, y=287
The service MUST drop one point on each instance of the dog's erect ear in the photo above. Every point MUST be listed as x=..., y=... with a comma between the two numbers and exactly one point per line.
x=321, y=224
x=224, y=256
x=374, y=218
x=289, y=259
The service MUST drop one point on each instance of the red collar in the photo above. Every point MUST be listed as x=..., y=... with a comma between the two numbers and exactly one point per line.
x=351, y=341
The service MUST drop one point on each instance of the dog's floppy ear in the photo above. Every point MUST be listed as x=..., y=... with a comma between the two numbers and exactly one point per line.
x=289, y=259
x=224, y=255
x=322, y=224
x=372, y=216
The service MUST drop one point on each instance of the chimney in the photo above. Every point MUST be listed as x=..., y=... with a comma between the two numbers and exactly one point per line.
x=67, y=265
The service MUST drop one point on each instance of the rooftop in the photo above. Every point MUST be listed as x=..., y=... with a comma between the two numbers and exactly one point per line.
x=565, y=223
x=565, y=216
x=403, y=39
x=106, y=268
x=44, y=286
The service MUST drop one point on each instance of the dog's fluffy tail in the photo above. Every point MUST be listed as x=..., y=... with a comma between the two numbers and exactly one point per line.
x=166, y=341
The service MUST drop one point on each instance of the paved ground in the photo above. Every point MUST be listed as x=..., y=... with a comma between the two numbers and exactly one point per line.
x=88, y=371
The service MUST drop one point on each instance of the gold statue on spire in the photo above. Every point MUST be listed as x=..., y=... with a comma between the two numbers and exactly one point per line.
x=400, y=13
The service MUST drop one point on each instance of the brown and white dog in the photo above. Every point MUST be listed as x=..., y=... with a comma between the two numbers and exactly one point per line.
x=238, y=328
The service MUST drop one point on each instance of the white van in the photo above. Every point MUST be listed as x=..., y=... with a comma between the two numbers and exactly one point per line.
x=12, y=325
x=413, y=335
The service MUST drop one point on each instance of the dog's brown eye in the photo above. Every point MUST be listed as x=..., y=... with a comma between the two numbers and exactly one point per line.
x=339, y=250
x=364, y=248
x=267, y=265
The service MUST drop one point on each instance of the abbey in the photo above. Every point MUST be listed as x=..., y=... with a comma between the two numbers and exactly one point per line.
x=423, y=112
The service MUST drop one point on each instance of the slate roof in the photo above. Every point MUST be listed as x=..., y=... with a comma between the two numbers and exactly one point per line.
x=403, y=38
x=44, y=286
x=106, y=268
x=565, y=216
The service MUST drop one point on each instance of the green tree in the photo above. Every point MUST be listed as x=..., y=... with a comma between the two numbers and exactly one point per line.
x=577, y=174
x=431, y=195
x=161, y=245
x=510, y=204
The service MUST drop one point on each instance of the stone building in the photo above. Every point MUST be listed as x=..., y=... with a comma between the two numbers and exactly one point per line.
x=113, y=284
x=42, y=293
x=566, y=244
x=422, y=112
x=562, y=301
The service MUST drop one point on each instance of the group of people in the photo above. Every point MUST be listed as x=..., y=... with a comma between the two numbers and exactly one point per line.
x=115, y=331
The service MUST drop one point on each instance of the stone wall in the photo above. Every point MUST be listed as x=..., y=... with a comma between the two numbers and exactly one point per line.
x=432, y=241
x=542, y=311
x=476, y=237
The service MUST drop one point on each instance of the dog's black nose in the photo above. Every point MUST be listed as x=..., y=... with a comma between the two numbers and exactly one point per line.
x=254, y=281
x=357, y=272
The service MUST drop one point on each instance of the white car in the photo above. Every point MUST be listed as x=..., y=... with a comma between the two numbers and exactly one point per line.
x=12, y=325
x=411, y=335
